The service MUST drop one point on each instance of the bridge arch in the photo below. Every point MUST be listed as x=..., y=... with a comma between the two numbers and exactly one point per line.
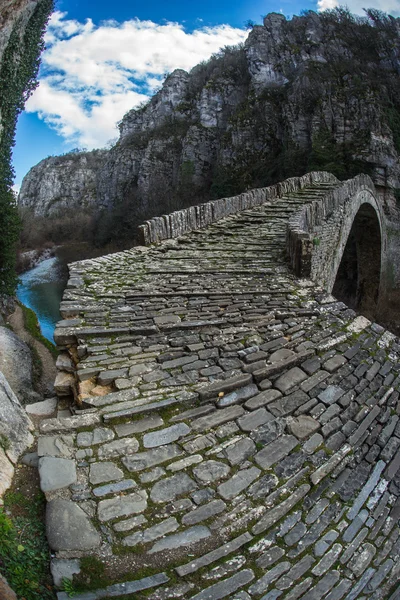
x=340, y=243
x=358, y=276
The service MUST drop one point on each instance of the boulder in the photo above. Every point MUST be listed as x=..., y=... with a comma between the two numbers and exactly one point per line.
x=15, y=425
x=69, y=528
x=16, y=365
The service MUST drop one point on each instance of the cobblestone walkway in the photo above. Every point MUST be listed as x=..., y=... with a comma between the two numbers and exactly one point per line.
x=238, y=435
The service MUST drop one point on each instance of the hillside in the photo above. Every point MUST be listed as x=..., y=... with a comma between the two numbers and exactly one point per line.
x=319, y=91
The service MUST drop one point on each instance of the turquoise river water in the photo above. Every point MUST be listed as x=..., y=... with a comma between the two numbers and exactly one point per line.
x=41, y=290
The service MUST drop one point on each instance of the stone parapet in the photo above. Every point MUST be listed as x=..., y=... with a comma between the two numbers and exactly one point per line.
x=235, y=428
x=189, y=219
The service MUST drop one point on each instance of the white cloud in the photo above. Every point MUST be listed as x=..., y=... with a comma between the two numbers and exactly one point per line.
x=92, y=75
x=356, y=6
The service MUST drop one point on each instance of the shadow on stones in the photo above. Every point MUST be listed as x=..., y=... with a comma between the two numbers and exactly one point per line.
x=358, y=277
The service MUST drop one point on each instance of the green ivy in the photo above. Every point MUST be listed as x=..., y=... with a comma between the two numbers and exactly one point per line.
x=24, y=554
x=18, y=73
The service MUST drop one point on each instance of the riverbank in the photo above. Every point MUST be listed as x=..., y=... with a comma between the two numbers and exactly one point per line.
x=43, y=359
x=32, y=258
x=24, y=552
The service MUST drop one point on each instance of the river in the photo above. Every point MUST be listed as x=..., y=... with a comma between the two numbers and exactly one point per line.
x=41, y=290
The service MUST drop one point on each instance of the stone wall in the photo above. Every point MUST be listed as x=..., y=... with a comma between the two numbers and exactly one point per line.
x=317, y=234
x=256, y=418
x=189, y=219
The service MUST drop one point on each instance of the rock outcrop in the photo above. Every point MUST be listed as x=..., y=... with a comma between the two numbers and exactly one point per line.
x=299, y=94
x=62, y=183
x=15, y=433
x=11, y=13
x=16, y=365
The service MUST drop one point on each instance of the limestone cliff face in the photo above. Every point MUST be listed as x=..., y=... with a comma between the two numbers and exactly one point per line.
x=12, y=12
x=62, y=183
x=315, y=92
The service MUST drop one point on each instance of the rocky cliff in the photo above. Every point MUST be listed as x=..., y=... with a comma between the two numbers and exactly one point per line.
x=13, y=14
x=320, y=91
x=61, y=183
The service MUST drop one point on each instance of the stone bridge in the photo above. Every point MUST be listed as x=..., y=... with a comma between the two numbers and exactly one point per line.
x=234, y=431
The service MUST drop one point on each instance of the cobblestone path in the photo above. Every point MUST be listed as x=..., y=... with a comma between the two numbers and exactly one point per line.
x=238, y=435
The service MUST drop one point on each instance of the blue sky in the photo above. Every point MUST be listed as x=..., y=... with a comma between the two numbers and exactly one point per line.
x=104, y=58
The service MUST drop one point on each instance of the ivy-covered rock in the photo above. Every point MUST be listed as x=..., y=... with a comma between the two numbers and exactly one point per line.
x=23, y=24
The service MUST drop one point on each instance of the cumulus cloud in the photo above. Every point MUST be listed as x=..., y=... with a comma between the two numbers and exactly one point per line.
x=92, y=75
x=356, y=6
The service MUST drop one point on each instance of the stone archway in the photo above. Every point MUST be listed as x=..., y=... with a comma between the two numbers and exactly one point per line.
x=358, y=277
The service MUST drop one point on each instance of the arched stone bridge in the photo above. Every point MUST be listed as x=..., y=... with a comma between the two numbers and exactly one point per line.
x=235, y=432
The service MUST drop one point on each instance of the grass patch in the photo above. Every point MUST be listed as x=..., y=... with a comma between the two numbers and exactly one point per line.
x=24, y=554
x=37, y=365
x=92, y=575
x=32, y=326
x=4, y=442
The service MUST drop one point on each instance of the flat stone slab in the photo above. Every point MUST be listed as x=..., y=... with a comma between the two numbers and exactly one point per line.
x=282, y=354
x=210, y=471
x=68, y=423
x=240, y=451
x=61, y=446
x=69, y=528
x=275, y=451
x=64, y=568
x=204, y=512
x=56, y=473
x=114, y=488
x=103, y=472
x=239, y=482
x=122, y=506
x=288, y=380
x=225, y=386
x=123, y=447
x=184, y=538
x=168, y=489
x=100, y=435
x=165, y=436
x=198, y=563
x=228, y=586
x=302, y=426
x=331, y=394
x=139, y=426
x=120, y=589
x=217, y=418
x=262, y=399
x=151, y=458
x=152, y=533
x=254, y=419
x=332, y=364
x=288, y=404
x=276, y=513
x=238, y=396
x=42, y=409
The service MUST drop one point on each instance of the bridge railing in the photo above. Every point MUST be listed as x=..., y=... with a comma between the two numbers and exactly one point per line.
x=302, y=239
x=189, y=219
